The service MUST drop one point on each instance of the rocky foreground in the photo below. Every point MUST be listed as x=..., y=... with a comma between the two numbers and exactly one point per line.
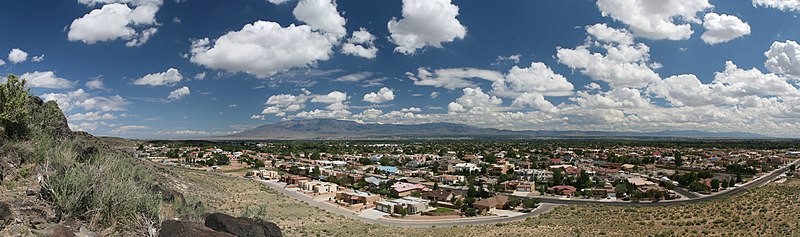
x=56, y=182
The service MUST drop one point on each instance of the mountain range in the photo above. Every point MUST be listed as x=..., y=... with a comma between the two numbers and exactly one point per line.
x=331, y=129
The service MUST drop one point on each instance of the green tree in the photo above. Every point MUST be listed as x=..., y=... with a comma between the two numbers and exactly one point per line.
x=400, y=211
x=621, y=189
x=715, y=184
x=678, y=159
x=259, y=164
x=490, y=158
x=317, y=171
x=558, y=177
x=471, y=212
x=792, y=167
x=584, y=181
x=221, y=159
x=457, y=203
x=365, y=161
x=513, y=201
x=530, y=203
x=13, y=113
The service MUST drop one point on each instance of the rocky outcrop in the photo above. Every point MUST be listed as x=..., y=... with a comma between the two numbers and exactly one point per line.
x=6, y=215
x=168, y=195
x=218, y=224
x=58, y=231
x=12, y=156
x=47, y=116
x=171, y=228
x=242, y=227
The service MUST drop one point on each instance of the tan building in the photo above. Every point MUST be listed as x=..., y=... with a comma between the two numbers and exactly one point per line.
x=319, y=186
x=356, y=197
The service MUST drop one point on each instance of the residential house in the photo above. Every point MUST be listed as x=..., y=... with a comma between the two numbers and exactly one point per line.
x=488, y=204
x=566, y=190
x=402, y=189
x=440, y=195
x=293, y=179
x=388, y=169
x=412, y=205
x=357, y=198
x=268, y=174
x=468, y=167
x=450, y=179
x=374, y=181
x=319, y=187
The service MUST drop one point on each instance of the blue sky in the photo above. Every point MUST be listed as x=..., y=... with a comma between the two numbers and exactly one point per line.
x=191, y=68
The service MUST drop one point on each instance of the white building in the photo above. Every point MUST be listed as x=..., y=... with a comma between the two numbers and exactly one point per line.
x=470, y=167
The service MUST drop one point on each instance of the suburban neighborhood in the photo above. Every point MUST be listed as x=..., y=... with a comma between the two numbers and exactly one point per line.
x=411, y=181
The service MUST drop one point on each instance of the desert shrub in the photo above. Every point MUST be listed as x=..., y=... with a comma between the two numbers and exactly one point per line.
x=255, y=212
x=13, y=113
x=107, y=189
x=192, y=209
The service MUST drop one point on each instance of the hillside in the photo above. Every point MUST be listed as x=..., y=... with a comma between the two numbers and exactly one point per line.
x=341, y=129
x=57, y=182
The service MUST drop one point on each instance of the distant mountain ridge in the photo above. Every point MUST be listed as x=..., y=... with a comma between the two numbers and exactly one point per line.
x=341, y=129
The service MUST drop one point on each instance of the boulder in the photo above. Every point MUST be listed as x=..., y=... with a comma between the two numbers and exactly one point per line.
x=169, y=195
x=6, y=215
x=171, y=228
x=58, y=230
x=242, y=227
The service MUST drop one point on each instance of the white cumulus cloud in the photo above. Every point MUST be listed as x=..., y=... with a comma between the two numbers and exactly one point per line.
x=91, y=116
x=425, y=23
x=169, y=78
x=361, y=44
x=263, y=49
x=46, y=79
x=663, y=19
x=723, y=28
x=17, y=56
x=383, y=95
x=80, y=99
x=321, y=15
x=179, y=93
x=784, y=58
x=783, y=5
x=115, y=21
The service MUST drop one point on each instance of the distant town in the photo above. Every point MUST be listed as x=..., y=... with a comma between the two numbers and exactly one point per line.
x=457, y=180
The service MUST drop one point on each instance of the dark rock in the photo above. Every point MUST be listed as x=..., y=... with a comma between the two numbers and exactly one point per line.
x=242, y=227
x=169, y=195
x=58, y=231
x=6, y=215
x=46, y=116
x=86, y=152
x=170, y=228
x=72, y=223
x=39, y=216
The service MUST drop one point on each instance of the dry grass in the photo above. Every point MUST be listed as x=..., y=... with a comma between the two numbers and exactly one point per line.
x=773, y=210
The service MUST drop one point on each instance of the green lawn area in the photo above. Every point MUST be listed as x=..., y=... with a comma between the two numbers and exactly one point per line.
x=443, y=209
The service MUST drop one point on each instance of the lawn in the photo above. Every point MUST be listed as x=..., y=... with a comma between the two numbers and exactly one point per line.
x=443, y=210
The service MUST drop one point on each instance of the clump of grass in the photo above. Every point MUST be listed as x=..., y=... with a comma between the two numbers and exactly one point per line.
x=255, y=212
x=108, y=189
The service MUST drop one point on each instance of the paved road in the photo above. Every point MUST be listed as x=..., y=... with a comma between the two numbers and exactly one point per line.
x=543, y=208
x=547, y=204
